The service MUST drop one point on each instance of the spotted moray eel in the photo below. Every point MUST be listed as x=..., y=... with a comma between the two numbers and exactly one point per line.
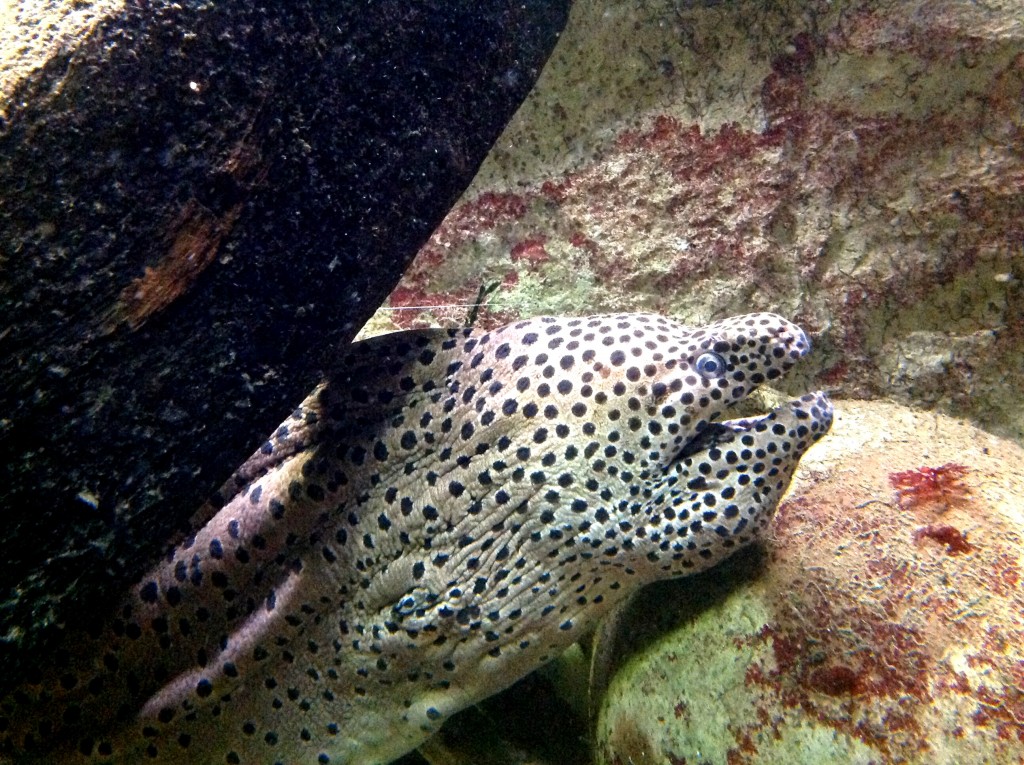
x=449, y=511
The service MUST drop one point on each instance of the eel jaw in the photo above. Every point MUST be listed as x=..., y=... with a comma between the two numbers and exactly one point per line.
x=812, y=412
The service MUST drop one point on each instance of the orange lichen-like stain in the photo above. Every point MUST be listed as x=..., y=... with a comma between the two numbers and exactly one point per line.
x=954, y=539
x=196, y=239
x=940, y=487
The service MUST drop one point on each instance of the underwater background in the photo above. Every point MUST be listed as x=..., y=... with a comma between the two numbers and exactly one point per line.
x=856, y=166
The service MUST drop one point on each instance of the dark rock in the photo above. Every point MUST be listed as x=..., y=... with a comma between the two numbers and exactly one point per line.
x=199, y=202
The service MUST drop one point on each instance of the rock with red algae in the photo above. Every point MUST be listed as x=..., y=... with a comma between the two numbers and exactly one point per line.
x=862, y=633
x=855, y=166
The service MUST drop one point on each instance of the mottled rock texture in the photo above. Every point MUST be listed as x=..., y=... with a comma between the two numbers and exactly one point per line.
x=199, y=202
x=856, y=166
x=883, y=624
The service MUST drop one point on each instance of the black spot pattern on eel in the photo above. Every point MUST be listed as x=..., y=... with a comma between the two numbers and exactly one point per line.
x=447, y=512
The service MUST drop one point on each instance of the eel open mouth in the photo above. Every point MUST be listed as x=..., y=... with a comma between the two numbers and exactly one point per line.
x=793, y=427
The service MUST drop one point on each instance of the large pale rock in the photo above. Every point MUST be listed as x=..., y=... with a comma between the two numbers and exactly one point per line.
x=881, y=625
x=854, y=165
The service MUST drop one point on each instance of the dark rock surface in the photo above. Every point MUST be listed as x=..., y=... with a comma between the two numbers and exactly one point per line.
x=199, y=202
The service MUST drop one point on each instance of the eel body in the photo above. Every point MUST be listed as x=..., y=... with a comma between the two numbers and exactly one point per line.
x=449, y=510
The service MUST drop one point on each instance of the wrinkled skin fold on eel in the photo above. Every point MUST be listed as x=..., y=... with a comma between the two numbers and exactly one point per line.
x=447, y=512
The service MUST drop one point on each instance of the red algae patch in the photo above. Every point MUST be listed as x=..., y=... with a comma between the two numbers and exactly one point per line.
x=954, y=539
x=938, y=487
x=872, y=628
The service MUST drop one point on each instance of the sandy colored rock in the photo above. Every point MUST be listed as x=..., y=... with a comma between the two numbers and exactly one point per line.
x=34, y=31
x=882, y=624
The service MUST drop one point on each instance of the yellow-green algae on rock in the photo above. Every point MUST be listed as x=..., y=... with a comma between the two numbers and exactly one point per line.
x=883, y=624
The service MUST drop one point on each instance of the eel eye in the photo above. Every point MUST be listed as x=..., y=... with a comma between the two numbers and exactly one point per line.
x=710, y=365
